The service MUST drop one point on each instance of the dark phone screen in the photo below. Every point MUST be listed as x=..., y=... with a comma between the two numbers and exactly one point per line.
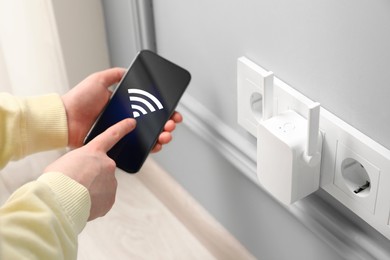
x=149, y=92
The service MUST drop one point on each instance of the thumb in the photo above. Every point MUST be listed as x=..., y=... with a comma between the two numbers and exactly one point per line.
x=106, y=140
x=112, y=76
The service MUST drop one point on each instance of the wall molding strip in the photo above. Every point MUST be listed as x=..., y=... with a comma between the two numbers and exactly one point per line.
x=314, y=212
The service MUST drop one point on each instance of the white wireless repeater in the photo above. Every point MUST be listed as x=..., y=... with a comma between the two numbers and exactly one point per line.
x=289, y=151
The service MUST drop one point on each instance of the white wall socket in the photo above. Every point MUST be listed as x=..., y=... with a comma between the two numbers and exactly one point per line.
x=253, y=84
x=354, y=169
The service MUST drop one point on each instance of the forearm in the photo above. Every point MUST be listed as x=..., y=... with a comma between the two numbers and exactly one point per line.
x=42, y=219
x=30, y=125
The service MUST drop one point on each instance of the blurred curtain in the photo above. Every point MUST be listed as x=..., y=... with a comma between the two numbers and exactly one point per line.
x=30, y=64
x=45, y=46
x=31, y=59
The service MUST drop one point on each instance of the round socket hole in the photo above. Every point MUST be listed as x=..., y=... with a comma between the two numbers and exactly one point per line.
x=256, y=101
x=356, y=177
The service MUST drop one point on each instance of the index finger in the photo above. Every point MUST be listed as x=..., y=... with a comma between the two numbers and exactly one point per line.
x=106, y=140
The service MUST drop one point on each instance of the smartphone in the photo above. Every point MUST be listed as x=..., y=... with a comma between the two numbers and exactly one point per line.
x=149, y=92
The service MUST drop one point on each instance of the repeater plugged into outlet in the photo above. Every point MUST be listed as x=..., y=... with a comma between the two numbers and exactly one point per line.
x=288, y=145
x=295, y=158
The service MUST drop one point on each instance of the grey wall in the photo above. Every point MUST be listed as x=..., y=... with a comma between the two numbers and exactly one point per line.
x=121, y=31
x=130, y=28
x=334, y=52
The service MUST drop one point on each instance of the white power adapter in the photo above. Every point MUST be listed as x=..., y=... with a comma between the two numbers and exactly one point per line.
x=289, y=154
x=288, y=145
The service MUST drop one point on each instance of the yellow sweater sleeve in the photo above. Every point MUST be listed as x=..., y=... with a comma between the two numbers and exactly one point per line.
x=42, y=219
x=30, y=125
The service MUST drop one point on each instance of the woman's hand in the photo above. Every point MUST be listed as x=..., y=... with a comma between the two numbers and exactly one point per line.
x=86, y=101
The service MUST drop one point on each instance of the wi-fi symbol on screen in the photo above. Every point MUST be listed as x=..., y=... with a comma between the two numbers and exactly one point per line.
x=142, y=102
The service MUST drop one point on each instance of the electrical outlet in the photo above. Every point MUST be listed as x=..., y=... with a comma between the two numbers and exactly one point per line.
x=354, y=168
x=357, y=178
x=356, y=171
x=349, y=160
x=252, y=85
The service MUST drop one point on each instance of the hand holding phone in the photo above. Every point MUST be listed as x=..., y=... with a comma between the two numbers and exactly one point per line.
x=148, y=92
